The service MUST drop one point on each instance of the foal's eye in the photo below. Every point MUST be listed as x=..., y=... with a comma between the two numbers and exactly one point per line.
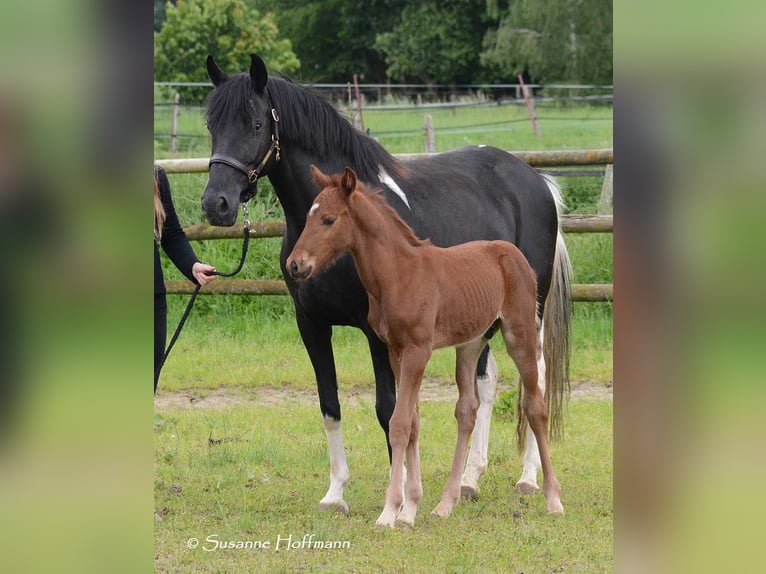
x=328, y=221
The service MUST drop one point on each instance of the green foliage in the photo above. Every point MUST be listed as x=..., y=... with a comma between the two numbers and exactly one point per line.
x=552, y=41
x=434, y=42
x=227, y=29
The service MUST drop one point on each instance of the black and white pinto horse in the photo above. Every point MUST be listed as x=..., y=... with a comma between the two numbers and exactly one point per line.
x=267, y=126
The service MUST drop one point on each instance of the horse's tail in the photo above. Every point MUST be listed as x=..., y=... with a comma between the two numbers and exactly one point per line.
x=557, y=326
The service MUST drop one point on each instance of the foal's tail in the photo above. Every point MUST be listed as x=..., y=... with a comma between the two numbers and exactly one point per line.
x=557, y=324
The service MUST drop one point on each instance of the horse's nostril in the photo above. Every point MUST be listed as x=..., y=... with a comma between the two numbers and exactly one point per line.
x=294, y=267
x=223, y=205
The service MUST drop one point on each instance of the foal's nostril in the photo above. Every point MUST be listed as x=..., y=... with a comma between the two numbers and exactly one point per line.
x=294, y=267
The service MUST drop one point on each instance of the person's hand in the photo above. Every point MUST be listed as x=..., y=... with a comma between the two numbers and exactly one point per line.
x=201, y=271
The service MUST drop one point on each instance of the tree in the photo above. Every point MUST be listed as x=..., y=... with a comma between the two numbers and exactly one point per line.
x=552, y=41
x=228, y=29
x=435, y=42
x=334, y=38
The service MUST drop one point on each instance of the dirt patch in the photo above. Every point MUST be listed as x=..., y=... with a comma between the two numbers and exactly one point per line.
x=430, y=390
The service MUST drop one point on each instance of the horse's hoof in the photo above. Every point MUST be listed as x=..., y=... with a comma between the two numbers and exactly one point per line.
x=405, y=522
x=526, y=488
x=339, y=506
x=556, y=508
x=439, y=513
x=469, y=493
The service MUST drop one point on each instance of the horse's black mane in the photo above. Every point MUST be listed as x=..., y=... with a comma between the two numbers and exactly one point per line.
x=306, y=120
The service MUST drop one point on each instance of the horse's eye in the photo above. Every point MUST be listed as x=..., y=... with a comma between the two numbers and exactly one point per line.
x=328, y=221
x=258, y=126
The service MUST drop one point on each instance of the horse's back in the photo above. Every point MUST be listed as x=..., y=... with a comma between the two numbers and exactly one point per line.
x=481, y=193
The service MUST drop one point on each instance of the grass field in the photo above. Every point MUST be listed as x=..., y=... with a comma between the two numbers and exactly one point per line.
x=261, y=477
x=257, y=474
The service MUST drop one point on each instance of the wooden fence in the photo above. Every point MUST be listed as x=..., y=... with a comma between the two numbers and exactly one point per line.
x=569, y=224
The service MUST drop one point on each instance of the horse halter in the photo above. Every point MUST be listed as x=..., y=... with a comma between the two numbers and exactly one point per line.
x=252, y=174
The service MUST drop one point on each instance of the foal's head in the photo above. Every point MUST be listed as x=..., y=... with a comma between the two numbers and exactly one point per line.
x=329, y=229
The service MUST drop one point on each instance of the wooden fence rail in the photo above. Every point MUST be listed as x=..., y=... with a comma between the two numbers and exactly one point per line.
x=580, y=292
x=259, y=229
x=551, y=158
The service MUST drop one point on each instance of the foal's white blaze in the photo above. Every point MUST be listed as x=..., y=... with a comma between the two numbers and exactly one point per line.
x=313, y=209
x=339, y=473
x=477, y=456
x=531, y=461
x=389, y=181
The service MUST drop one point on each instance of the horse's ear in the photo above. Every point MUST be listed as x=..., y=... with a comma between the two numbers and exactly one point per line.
x=320, y=179
x=258, y=73
x=217, y=75
x=348, y=181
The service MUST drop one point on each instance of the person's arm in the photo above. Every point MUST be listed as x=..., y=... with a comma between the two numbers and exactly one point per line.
x=174, y=241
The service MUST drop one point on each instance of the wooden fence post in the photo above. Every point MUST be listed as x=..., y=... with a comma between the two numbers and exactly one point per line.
x=428, y=128
x=358, y=102
x=530, y=106
x=605, y=205
x=174, y=123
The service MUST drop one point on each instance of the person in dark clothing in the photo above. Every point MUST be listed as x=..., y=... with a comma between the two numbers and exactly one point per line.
x=168, y=234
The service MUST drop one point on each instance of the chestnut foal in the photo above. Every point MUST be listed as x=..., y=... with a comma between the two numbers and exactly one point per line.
x=424, y=297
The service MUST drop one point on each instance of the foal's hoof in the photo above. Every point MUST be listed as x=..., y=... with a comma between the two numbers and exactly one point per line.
x=526, y=488
x=555, y=508
x=439, y=513
x=469, y=493
x=337, y=506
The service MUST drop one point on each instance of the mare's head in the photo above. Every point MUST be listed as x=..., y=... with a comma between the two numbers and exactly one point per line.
x=240, y=120
x=329, y=230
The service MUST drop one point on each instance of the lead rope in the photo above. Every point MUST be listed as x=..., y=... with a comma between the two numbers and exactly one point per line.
x=245, y=244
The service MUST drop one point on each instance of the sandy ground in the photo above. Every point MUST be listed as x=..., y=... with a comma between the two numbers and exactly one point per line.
x=430, y=390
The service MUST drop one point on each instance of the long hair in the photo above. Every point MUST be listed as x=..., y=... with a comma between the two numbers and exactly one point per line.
x=159, y=211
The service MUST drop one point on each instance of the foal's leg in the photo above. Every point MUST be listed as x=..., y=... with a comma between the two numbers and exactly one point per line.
x=413, y=486
x=317, y=339
x=465, y=413
x=412, y=365
x=486, y=385
x=522, y=345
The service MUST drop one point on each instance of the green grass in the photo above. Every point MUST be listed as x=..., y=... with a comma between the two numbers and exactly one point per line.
x=266, y=481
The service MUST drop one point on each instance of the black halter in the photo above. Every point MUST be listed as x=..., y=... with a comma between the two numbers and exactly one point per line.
x=252, y=174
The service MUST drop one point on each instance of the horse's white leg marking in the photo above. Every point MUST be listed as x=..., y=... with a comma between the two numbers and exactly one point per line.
x=527, y=483
x=389, y=181
x=477, y=457
x=339, y=473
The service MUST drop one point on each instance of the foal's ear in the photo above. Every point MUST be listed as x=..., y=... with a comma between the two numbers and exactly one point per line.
x=348, y=181
x=319, y=178
x=217, y=75
x=258, y=73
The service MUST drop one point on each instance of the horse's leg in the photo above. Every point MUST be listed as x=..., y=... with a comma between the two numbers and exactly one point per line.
x=521, y=340
x=318, y=342
x=413, y=487
x=465, y=412
x=486, y=384
x=531, y=464
x=412, y=362
x=385, y=383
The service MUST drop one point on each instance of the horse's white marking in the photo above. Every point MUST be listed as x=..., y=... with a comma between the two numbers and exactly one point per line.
x=313, y=209
x=389, y=181
x=477, y=457
x=339, y=473
x=531, y=461
x=482, y=145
